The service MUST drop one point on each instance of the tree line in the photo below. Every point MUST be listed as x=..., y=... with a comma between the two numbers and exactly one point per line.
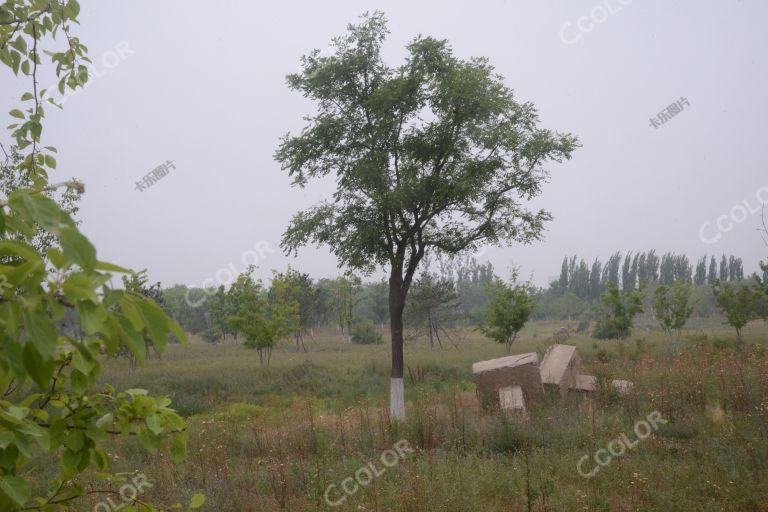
x=590, y=281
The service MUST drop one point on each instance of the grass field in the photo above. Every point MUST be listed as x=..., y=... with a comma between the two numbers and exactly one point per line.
x=277, y=438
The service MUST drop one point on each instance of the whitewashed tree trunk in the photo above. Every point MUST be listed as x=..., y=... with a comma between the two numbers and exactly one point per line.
x=396, y=400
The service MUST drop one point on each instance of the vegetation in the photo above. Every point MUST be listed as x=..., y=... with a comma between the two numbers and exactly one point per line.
x=672, y=306
x=508, y=312
x=275, y=439
x=52, y=407
x=434, y=155
x=431, y=159
x=616, y=316
x=365, y=333
x=740, y=303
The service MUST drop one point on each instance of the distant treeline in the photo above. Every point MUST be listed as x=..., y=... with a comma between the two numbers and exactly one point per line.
x=644, y=268
x=456, y=292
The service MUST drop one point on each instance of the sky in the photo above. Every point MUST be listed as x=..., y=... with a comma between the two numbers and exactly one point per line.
x=200, y=87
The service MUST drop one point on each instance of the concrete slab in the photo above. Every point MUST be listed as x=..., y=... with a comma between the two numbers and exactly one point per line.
x=519, y=370
x=560, y=368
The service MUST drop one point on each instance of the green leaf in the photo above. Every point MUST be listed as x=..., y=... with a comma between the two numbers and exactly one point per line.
x=40, y=369
x=179, y=447
x=78, y=287
x=106, y=420
x=17, y=113
x=42, y=332
x=16, y=488
x=92, y=317
x=56, y=257
x=197, y=501
x=13, y=248
x=109, y=267
x=156, y=323
x=78, y=249
x=50, y=161
x=132, y=339
x=6, y=438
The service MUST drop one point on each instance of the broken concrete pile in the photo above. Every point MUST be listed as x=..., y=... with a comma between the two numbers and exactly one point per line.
x=515, y=382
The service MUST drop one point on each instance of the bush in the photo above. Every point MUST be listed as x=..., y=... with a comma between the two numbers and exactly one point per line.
x=212, y=335
x=365, y=333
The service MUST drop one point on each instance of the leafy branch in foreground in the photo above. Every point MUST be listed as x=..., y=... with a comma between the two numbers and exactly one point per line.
x=51, y=407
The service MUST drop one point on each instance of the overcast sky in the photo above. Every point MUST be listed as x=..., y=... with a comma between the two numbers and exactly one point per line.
x=202, y=84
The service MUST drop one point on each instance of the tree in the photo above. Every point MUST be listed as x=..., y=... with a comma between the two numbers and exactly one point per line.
x=301, y=292
x=55, y=410
x=433, y=304
x=700, y=277
x=671, y=305
x=617, y=312
x=723, y=269
x=136, y=283
x=739, y=302
x=627, y=281
x=12, y=179
x=250, y=317
x=344, y=295
x=179, y=303
x=611, y=270
x=219, y=306
x=712, y=273
x=652, y=266
x=563, y=281
x=508, y=311
x=373, y=303
x=595, y=286
x=432, y=156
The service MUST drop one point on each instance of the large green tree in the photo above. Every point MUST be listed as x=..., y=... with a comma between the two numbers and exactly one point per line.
x=432, y=155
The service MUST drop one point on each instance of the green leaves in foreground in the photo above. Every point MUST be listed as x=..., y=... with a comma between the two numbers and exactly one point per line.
x=50, y=406
x=63, y=413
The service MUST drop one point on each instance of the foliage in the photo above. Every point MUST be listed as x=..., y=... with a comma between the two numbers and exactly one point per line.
x=187, y=307
x=508, y=311
x=299, y=289
x=52, y=406
x=12, y=178
x=433, y=155
x=672, y=305
x=617, y=311
x=344, y=295
x=250, y=316
x=365, y=333
x=432, y=307
x=739, y=302
x=219, y=307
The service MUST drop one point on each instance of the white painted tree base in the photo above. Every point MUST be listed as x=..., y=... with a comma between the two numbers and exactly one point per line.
x=396, y=400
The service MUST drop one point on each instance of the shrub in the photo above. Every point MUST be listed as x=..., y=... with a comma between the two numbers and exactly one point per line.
x=365, y=333
x=211, y=335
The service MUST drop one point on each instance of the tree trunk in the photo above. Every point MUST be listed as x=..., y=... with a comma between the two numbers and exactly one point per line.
x=396, y=307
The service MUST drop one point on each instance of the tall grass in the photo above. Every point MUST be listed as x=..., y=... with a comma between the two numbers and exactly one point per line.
x=276, y=438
